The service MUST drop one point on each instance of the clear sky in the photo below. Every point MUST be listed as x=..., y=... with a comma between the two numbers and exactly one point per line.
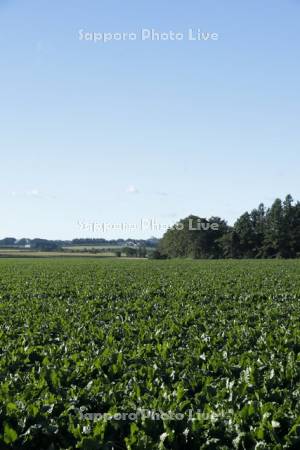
x=117, y=132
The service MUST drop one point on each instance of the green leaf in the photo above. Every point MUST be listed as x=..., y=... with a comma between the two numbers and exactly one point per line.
x=10, y=435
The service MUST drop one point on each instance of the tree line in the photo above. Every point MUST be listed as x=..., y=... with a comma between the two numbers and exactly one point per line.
x=134, y=247
x=272, y=232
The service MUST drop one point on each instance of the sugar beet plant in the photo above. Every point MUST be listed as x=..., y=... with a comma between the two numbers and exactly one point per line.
x=215, y=342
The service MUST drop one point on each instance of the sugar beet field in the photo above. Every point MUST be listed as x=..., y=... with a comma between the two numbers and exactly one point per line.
x=127, y=354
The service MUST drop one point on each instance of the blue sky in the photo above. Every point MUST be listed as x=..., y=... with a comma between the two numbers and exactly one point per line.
x=128, y=130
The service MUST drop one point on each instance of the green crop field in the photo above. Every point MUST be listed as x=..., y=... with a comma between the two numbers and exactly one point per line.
x=119, y=354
